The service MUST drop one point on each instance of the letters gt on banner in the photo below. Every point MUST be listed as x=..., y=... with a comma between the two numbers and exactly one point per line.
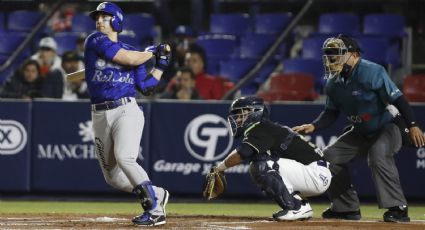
x=185, y=146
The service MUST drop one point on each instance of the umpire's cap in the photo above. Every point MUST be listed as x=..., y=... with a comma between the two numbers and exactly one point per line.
x=350, y=43
x=113, y=10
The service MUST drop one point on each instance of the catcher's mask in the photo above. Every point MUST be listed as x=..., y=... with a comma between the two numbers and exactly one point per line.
x=244, y=112
x=113, y=10
x=336, y=52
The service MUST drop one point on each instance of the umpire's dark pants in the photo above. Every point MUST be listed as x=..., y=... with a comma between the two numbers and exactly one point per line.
x=380, y=151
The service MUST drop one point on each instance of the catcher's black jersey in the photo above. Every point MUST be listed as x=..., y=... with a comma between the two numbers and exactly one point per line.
x=277, y=140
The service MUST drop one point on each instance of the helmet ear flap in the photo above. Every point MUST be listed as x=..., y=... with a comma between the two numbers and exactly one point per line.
x=116, y=24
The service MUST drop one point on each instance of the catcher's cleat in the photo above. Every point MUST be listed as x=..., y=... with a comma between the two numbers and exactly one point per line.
x=353, y=215
x=147, y=219
x=303, y=213
x=397, y=214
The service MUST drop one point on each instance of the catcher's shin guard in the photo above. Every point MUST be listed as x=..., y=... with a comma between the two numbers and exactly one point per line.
x=146, y=194
x=272, y=184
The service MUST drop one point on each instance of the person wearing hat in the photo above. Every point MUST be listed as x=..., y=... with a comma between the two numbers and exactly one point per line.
x=55, y=84
x=381, y=122
x=47, y=56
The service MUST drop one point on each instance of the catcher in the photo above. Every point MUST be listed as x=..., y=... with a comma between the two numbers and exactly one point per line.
x=282, y=163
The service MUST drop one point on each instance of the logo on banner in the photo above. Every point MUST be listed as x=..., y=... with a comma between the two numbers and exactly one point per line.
x=13, y=137
x=203, y=136
x=420, y=163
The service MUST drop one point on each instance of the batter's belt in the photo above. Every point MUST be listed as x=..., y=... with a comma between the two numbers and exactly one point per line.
x=110, y=104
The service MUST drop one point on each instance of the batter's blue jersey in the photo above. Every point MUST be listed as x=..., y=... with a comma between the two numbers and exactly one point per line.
x=106, y=80
x=363, y=97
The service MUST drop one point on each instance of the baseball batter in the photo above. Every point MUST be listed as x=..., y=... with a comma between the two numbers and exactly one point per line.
x=282, y=163
x=113, y=72
x=364, y=92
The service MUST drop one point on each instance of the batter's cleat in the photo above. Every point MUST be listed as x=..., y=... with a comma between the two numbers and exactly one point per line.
x=147, y=219
x=303, y=213
x=165, y=201
x=353, y=215
x=397, y=214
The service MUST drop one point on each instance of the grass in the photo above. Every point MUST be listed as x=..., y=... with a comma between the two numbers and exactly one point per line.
x=369, y=211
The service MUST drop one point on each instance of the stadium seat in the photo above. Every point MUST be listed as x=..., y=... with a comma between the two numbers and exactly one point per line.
x=236, y=24
x=66, y=42
x=82, y=23
x=22, y=20
x=2, y=21
x=307, y=66
x=312, y=47
x=218, y=45
x=339, y=23
x=9, y=41
x=391, y=25
x=376, y=49
x=141, y=24
x=272, y=23
x=265, y=72
x=235, y=69
x=414, y=88
x=255, y=45
x=131, y=40
x=213, y=66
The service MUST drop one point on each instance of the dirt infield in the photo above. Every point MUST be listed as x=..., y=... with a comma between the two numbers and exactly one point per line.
x=62, y=221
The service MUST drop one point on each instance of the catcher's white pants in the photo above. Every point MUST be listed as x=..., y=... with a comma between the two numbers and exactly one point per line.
x=308, y=180
x=118, y=133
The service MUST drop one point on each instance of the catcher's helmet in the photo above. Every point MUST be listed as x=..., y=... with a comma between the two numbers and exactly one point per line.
x=246, y=111
x=336, y=52
x=113, y=10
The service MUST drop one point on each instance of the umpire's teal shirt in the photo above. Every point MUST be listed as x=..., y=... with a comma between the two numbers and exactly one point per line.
x=363, y=97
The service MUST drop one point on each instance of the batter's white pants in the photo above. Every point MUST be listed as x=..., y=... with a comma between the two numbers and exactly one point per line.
x=118, y=133
x=308, y=180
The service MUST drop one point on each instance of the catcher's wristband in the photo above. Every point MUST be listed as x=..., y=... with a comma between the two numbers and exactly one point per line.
x=221, y=166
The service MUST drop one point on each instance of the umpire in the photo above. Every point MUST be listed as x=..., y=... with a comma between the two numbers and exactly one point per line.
x=381, y=122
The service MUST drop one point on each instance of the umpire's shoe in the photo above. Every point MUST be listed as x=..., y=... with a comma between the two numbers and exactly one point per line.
x=353, y=215
x=397, y=214
x=303, y=213
x=149, y=219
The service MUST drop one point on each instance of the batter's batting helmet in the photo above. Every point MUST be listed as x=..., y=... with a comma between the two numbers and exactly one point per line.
x=113, y=10
x=246, y=111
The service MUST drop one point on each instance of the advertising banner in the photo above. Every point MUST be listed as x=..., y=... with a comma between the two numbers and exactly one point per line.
x=63, y=152
x=15, y=127
x=187, y=139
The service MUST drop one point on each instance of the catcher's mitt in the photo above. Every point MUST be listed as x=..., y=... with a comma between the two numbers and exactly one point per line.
x=215, y=184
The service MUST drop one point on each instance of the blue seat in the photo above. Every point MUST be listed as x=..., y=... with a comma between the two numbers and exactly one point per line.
x=255, y=45
x=236, y=24
x=213, y=66
x=265, y=72
x=272, y=23
x=339, y=23
x=9, y=41
x=312, y=47
x=22, y=20
x=309, y=66
x=131, y=40
x=82, y=23
x=376, y=49
x=141, y=24
x=235, y=69
x=2, y=21
x=391, y=25
x=66, y=42
x=218, y=45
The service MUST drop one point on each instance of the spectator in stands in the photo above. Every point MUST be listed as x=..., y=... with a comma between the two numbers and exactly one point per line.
x=183, y=38
x=185, y=86
x=55, y=84
x=208, y=87
x=25, y=83
x=80, y=44
x=47, y=56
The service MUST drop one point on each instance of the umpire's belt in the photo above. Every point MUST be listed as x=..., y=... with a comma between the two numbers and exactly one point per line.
x=110, y=104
